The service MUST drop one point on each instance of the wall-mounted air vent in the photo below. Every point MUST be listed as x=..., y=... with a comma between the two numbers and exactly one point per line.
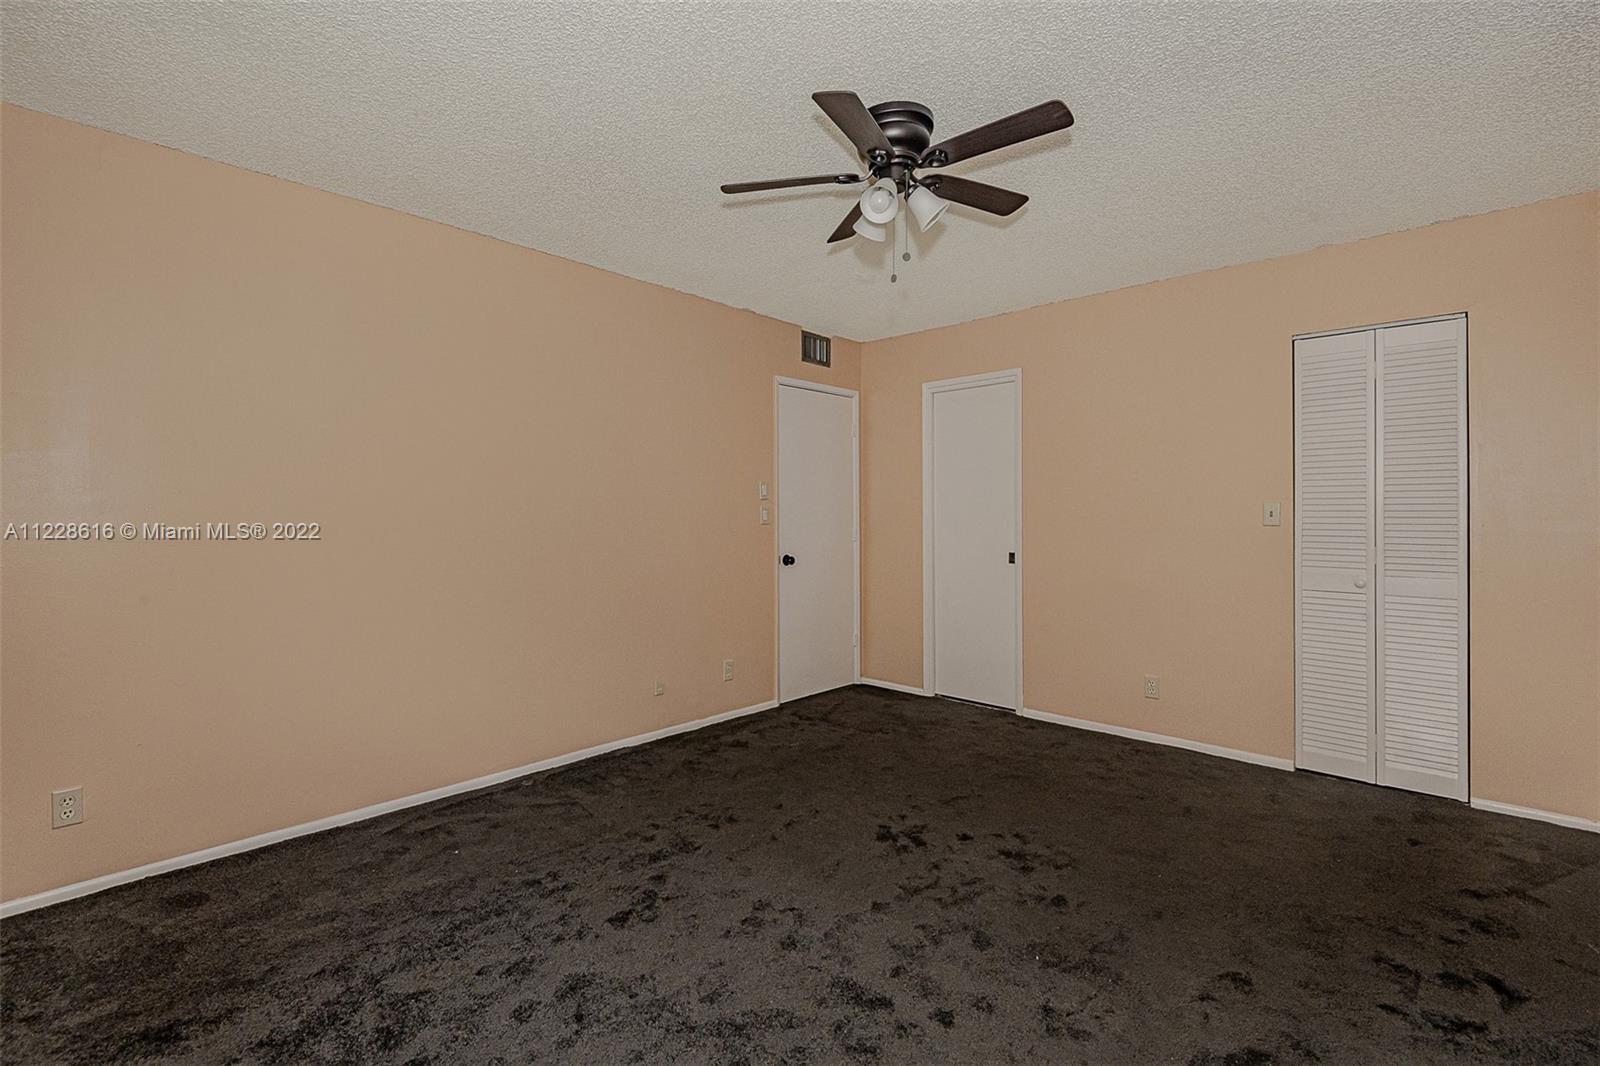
x=815, y=349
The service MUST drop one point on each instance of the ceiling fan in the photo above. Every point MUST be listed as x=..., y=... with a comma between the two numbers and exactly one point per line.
x=894, y=140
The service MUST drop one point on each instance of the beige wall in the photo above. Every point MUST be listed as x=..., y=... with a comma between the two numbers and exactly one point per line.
x=1157, y=420
x=536, y=482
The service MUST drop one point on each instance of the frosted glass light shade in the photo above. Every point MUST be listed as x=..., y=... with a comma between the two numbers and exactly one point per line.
x=881, y=202
x=926, y=208
x=870, y=230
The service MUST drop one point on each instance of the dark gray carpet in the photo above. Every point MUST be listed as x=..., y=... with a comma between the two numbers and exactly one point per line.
x=855, y=877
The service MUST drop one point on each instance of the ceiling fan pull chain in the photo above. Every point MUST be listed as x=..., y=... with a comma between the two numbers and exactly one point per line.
x=899, y=229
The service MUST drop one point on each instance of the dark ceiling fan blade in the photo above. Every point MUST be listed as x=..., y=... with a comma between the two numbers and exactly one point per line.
x=990, y=198
x=847, y=227
x=852, y=116
x=789, y=183
x=1023, y=126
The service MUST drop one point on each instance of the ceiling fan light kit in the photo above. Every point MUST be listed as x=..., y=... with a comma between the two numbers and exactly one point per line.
x=894, y=140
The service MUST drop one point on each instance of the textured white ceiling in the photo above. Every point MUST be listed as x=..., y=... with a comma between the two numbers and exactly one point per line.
x=1207, y=134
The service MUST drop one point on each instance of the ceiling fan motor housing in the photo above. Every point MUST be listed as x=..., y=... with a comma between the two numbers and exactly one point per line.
x=908, y=127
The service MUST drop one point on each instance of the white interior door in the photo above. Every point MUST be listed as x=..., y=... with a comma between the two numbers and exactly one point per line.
x=972, y=453
x=816, y=505
x=1422, y=557
x=1335, y=596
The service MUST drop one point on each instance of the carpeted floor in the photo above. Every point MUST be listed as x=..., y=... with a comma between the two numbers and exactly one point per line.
x=860, y=876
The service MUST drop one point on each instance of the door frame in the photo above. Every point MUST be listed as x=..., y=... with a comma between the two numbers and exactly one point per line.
x=1465, y=579
x=778, y=383
x=929, y=390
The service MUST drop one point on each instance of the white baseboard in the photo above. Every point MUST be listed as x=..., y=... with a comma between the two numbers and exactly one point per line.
x=194, y=858
x=1571, y=821
x=1161, y=738
x=892, y=686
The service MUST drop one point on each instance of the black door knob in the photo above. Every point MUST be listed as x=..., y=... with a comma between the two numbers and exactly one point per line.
x=788, y=560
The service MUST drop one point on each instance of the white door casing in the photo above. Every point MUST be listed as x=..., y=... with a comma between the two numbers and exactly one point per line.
x=817, y=526
x=972, y=538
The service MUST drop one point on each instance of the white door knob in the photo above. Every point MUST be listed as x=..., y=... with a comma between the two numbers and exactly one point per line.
x=1361, y=582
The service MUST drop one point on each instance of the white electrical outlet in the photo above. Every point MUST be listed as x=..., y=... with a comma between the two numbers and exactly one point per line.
x=1152, y=687
x=727, y=669
x=661, y=687
x=766, y=516
x=1272, y=514
x=66, y=807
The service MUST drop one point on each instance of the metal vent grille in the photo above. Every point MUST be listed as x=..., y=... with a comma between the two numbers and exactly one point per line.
x=815, y=349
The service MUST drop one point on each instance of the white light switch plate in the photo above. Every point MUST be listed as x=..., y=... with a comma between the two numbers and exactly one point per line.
x=761, y=490
x=1272, y=514
x=766, y=516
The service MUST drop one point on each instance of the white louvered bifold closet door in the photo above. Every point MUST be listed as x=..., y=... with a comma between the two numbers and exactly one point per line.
x=1334, y=594
x=1422, y=557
